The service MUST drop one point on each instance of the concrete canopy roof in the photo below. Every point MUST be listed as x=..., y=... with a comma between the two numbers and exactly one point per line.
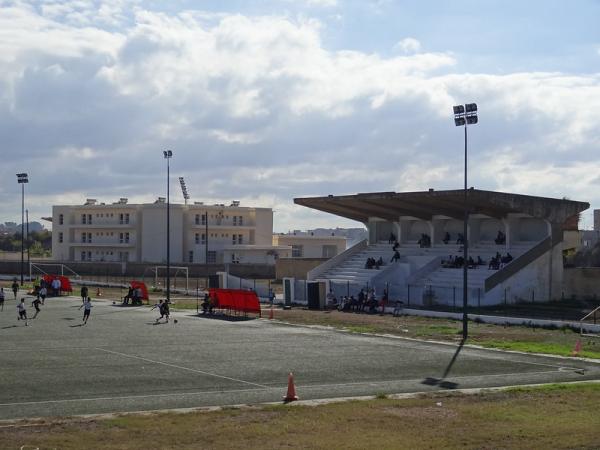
x=424, y=205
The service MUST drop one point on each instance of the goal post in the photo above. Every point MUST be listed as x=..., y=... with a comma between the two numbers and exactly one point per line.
x=39, y=268
x=177, y=270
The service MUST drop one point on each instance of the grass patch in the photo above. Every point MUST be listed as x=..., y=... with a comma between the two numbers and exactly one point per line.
x=550, y=348
x=523, y=338
x=361, y=329
x=505, y=419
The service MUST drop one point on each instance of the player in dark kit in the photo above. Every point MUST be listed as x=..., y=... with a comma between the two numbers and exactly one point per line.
x=36, y=304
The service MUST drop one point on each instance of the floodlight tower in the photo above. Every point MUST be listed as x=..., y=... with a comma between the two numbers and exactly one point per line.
x=184, y=191
x=22, y=179
x=463, y=116
x=168, y=154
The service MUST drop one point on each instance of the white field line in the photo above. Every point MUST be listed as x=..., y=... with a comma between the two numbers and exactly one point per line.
x=181, y=367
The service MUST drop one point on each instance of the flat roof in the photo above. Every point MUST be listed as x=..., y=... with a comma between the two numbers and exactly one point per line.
x=450, y=203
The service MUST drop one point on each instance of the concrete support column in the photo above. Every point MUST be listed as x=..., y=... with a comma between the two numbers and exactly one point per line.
x=507, y=232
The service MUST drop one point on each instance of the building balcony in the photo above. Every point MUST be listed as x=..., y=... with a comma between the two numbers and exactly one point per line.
x=102, y=244
x=103, y=226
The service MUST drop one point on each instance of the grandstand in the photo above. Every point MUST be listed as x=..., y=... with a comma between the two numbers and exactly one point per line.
x=533, y=229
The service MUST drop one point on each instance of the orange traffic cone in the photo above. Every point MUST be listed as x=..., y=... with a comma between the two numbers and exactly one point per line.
x=271, y=313
x=98, y=293
x=291, y=390
x=577, y=348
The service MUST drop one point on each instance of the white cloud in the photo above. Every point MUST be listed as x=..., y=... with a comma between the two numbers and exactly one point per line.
x=408, y=45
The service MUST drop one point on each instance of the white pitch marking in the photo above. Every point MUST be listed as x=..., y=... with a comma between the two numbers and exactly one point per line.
x=181, y=367
x=128, y=397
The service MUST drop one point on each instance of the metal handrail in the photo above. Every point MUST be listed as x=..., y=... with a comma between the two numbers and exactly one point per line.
x=594, y=311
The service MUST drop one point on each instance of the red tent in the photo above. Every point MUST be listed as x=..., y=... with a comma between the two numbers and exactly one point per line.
x=65, y=284
x=236, y=300
x=138, y=284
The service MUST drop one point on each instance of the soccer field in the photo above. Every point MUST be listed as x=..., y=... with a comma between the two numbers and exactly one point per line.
x=122, y=361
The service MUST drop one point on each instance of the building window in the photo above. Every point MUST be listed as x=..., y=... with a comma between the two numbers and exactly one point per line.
x=84, y=237
x=126, y=217
x=120, y=238
x=297, y=251
x=240, y=239
x=241, y=221
x=83, y=256
x=121, y=219
x=60, y=219
x=89, y=238
x=203, y=219
x=89, y=219
x=191, y=256
x=127, y=238
x=197, y=238
x=83, y=219
x=233, y=239
x=212, y=257
x=60, y=237
x=89, y=255
x=203, y=239
x=197, y=219
x=234, y=221
x=233, y=257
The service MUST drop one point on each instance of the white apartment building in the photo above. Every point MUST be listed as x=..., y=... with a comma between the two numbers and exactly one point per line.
x=199, y=233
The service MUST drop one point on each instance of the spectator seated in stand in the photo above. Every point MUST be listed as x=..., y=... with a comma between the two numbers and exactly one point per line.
x=500, y=238
x=480, y=262
x=494, y=263
x=395, y=246
x=472, y=264
x=379, y=263
x=460, y=240
x=369, y=263
x=506, y=259
x=458, y=262
x=446, y=238
x=424, y=241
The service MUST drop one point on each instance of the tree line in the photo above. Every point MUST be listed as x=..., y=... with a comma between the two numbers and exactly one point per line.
x=39, y=242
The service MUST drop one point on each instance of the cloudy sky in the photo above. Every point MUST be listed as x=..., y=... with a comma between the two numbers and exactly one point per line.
x=266, y=100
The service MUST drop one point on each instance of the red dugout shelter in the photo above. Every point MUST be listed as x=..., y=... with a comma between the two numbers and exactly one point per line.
x=235, y=300
x=65, y=283
x=138, y=284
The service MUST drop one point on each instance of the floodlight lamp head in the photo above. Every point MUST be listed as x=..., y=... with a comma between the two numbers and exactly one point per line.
x=472, y=120
x=459, y=121
x=167, y=153
x=459, y=109
x=471, y=107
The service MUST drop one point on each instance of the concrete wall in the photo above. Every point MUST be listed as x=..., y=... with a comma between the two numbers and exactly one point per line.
x=99, y=269
x=542, y=281
x=582, y=282
x=296, y=267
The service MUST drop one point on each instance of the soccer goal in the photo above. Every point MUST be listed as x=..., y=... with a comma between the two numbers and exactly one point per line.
x=178, y=270
x=40, y=268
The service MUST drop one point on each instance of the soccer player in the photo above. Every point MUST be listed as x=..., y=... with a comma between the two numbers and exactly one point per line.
x=36, y=304
x=87, y=309
x=15, y=288
x=159, y=305
x=22, y=311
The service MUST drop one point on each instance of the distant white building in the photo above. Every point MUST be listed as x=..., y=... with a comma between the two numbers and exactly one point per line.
x=199, y=233
x=311, y=246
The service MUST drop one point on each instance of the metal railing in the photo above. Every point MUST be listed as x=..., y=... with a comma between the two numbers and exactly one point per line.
x=593, y=313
